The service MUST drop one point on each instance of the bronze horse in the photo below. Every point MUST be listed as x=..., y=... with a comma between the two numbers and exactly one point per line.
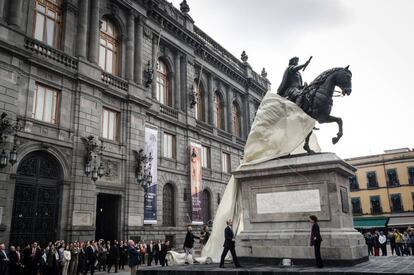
x=316, y=98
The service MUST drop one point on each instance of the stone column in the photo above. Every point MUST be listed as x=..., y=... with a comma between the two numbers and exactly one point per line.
x=139, y=36
x=1, y=9
x=15, y=12
x=211, y=100
x=153, y=65
x=82, y=28
x=94, y=32
x=129, y=66
x=246, y=117
x=177, y=80
x=229, y=110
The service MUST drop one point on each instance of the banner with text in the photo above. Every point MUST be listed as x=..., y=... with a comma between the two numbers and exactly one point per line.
x=196, y=183
x=150, y=196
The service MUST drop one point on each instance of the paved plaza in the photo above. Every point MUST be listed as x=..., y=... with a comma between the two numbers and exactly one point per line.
x=376, y=265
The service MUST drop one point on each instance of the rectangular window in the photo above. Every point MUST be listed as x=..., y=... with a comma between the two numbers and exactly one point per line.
x=356, y=206
x=372, y=180
x=353, y=183
x=375, y=205
x=168, y=146
x=412, y=199
x=47, y=22
x=205, y=156
x=410, y=175
x=45, y=104
x=396, y=205
x=110, y=124
x=225, y=162
x=392, y=178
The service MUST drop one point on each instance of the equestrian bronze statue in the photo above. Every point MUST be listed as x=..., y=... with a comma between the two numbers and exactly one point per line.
x=315, y=99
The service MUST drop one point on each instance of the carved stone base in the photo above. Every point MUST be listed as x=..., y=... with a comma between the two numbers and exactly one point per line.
x=279, y=195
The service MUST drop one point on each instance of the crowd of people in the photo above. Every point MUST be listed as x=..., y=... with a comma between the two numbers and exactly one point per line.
x=61, y=258
x=400, y=244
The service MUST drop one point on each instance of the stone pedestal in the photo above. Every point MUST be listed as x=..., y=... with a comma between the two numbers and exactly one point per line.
x=279, y=195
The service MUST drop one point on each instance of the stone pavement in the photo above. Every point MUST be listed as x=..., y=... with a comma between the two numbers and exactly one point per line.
x=376, y=265
x=120, y=272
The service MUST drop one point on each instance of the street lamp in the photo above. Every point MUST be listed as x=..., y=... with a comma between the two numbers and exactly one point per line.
x=91, y=165
x=7, y=129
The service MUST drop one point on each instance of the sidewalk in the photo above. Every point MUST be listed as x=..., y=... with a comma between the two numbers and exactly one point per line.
x=375, y=265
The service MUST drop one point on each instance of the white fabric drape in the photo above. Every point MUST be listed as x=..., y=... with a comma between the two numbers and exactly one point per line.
x=279, y=129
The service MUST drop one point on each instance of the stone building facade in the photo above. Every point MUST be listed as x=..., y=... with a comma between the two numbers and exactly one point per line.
x=73, y=69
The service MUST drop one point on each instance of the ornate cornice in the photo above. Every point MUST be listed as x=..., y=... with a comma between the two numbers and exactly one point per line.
x=207, y=49
x=70, y=7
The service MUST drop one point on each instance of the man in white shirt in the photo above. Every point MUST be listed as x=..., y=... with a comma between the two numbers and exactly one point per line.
x=382, y=239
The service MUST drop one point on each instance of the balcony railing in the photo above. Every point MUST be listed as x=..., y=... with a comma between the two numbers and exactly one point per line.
x=354, y=187
x=42, y=49
x=376, y=210
x=393, y=183
x=114, y=81
x=357, y=211
x=168, y=111
x=372, y=185
x=398, y=208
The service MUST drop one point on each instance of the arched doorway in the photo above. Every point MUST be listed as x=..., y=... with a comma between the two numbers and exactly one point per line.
x=168, y=205
x=206, y=206
x=36, y=199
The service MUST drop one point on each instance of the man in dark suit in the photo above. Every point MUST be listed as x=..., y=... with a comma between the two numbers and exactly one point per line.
x=229, y=244
x=133, y=257
x=91, y=257
x=27, y=262
x=165, y=247
x=150, y=252
x=4, y=260
x=113, y=256
x=35, y=256
x=189, y=244
x=157, y=251
x=14, y=257
x=316, y=240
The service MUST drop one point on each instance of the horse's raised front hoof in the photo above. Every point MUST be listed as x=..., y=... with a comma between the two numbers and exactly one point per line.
x=335, y=140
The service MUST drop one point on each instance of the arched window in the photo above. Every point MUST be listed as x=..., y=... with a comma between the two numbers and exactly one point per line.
x=218, y=111
x=108, y=47
x=47, y=22
x=168, y=206
x=163, y=84
x=235, y=117
x=206, y=206
x=199, y=95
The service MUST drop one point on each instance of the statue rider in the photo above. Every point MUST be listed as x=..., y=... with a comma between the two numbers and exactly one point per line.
x=291, y=84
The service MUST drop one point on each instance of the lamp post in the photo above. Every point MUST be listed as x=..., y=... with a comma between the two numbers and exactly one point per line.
x=8, y=129
x=91, y=164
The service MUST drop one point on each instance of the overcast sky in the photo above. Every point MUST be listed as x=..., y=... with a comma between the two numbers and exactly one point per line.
x=375, y=37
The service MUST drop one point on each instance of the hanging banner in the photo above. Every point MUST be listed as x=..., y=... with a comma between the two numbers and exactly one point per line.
x=150, y=195
x=196, y=183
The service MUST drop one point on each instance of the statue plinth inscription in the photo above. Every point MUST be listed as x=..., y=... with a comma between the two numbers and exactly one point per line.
x=288, y=202
x=277, y=198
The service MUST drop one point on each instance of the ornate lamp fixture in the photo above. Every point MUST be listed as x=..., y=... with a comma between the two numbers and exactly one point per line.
x=143, y=169
x=8, y=129
x=148, y=74
x=192, y=97
x=91, y=164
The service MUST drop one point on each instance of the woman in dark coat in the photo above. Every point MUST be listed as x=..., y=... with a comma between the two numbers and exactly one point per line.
x=316, y=240
x=82, y=259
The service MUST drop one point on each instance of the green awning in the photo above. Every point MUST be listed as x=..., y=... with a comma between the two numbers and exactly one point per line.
x=370, y=222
